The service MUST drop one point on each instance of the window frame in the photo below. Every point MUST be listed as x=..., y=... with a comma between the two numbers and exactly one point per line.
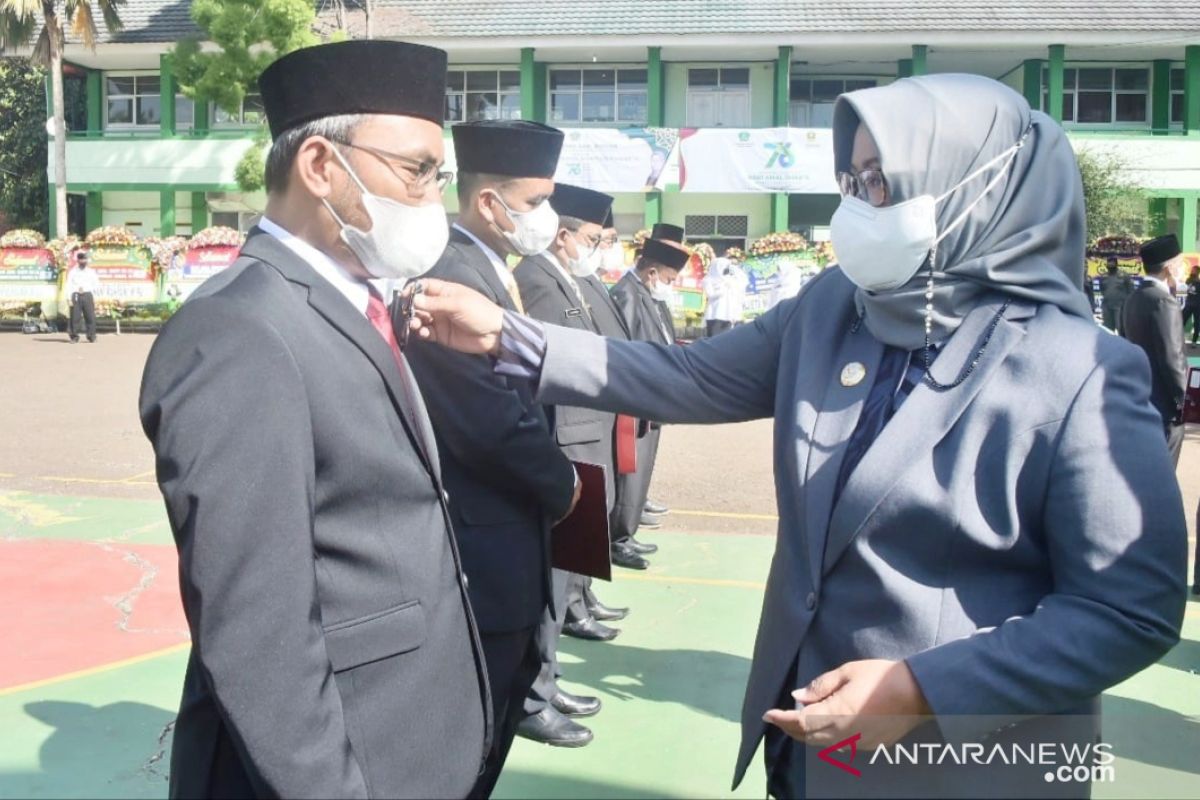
x=133, y=125
x=617, y=121
x=1172, y=93
x=465, y=92
x=240, y=124
x=812, y=78
x=1113, y=92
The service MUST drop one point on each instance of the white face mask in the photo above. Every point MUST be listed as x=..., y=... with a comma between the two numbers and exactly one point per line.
x=662, y=292
x=534, y=230
x=404, y=241
x=881, y=249
x=585, y=262
x=613, y=258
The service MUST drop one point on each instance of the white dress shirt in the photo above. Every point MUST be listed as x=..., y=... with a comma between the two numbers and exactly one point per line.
x=82, y=280
x=354, y=289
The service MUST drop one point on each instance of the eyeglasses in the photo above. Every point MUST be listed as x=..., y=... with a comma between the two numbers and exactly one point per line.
x=869, y=185
x=416, y=175
x=592, y=242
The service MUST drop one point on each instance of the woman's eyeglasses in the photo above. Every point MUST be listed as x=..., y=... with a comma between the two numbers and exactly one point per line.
x=868, y=185
x=416, y=175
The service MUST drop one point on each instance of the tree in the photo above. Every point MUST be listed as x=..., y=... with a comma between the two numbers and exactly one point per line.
x=23, y=144
x=19, y=20
x=1114, y=206
x=250, y=34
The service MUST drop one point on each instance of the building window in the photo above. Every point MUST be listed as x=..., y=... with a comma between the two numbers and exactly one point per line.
x=132, y=101
x=811, y=99
x=722, y=231
x=185, y=113
x=250, y=114
x=1177, y=96
x=1102, y=95
x=598, y=95
x=718, y=97
x=482, y=94
x=238, y=220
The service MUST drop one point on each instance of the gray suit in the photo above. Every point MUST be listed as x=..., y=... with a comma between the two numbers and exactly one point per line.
x=317, y=567
x=986, y=521
x=1153, y=322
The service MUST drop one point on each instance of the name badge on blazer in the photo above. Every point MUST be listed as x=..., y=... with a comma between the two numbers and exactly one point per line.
x=574, y=312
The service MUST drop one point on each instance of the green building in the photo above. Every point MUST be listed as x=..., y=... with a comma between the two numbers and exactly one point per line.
x=1122, y=77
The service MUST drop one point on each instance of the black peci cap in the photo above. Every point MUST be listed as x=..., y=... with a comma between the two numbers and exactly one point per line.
x=511, y=147
x=1160, y=250
x=585, y=204
x=667, y=232
x=356, y=77
x=666, y=254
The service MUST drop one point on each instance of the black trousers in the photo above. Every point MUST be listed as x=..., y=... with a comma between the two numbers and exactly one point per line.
x=1192, y=312
x=714, y=326
x=569, y=588
x=513, y=661
x=83, y=304
x=633, y=489
x=1174, y=440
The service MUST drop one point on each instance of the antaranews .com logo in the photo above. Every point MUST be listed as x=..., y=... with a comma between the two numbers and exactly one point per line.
x=1062, y=762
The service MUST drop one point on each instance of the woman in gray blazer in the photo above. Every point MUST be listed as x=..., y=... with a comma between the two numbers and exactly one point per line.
x=979, y=522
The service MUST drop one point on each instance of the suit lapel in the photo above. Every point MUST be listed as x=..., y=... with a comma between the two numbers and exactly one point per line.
x=839, y=414
x=475, y=258
x=612, y=305
x=922, y=420
x=339, y=313
x=574, y=299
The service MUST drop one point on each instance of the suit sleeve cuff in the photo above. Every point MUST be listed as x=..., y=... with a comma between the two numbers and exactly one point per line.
x=522, y=347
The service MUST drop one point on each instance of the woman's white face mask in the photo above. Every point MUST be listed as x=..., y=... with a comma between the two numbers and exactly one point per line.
x=882, y=248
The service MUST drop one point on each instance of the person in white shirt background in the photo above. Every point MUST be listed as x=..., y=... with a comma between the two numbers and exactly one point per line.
x=725, y=289
x=81, y=287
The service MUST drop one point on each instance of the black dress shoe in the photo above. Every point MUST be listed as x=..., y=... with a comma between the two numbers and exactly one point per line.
x=573, y=705
x=642, y=548
x=624, y=556
x=649, y=522
x=590, y=630
x=605, y=614
x=658, y=509
x=550, y=727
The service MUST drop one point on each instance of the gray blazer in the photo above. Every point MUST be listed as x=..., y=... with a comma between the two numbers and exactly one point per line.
x=333, y=648
x=1034, y=499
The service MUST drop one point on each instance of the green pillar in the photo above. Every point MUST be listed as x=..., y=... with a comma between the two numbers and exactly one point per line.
x=1158, y=216
x=919, y=53
x=200, y=117
x=94, y=216
x=166, y=212
x=52, y=213
x=655, y=88
x=199, y=212
x=904, y=68
x=95, y=102
x=1191, y=90
x=166, y=102
x=1031, y=82
x=783, y=86
x=1160, y=98
x=1058, y=58
x=779, y=212
x=1187, y=224
x=533, y=87
x=654, y=209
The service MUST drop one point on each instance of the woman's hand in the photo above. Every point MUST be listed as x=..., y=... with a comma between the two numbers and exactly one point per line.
x=455, y=316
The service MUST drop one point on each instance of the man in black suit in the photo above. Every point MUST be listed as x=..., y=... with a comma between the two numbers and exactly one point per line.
x=1154, y=322
x=333, y=649
x=637, y=296
x=550, y=290
x=508, y=481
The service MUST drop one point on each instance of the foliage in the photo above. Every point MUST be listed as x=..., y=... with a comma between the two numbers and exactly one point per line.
x=23, y=144
x=1114, y=207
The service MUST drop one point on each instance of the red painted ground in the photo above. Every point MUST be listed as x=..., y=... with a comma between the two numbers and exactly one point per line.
x=63, y=605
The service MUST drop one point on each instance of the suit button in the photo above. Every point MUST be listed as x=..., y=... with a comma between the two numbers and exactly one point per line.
x=466, y=584
x=811, y=601
x=445, y=496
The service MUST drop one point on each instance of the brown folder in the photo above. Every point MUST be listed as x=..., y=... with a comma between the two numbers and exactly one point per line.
x=580, y=543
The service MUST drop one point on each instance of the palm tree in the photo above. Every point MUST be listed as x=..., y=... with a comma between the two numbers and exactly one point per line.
x=18, y=21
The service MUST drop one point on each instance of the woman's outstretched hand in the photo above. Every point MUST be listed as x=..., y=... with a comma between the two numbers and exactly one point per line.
x=455, y=316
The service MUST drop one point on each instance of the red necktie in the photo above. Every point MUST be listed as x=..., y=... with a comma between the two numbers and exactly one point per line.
x=379, y=317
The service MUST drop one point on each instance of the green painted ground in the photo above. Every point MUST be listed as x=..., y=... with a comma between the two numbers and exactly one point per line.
x=671, y=686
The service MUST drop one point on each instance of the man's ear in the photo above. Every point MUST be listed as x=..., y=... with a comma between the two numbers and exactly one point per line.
x=314, y=166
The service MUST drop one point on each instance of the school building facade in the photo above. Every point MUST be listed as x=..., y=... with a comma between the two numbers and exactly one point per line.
x=710, y=76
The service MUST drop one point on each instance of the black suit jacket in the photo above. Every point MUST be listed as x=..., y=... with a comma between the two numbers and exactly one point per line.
x=507, y=479
x=1153, y=322
x=641, y=311
x=582, y=434
x=608, y=318
x=318, y=572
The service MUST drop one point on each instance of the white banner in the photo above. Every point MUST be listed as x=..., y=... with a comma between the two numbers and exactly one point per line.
x=626, y=160
x=793, y=160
